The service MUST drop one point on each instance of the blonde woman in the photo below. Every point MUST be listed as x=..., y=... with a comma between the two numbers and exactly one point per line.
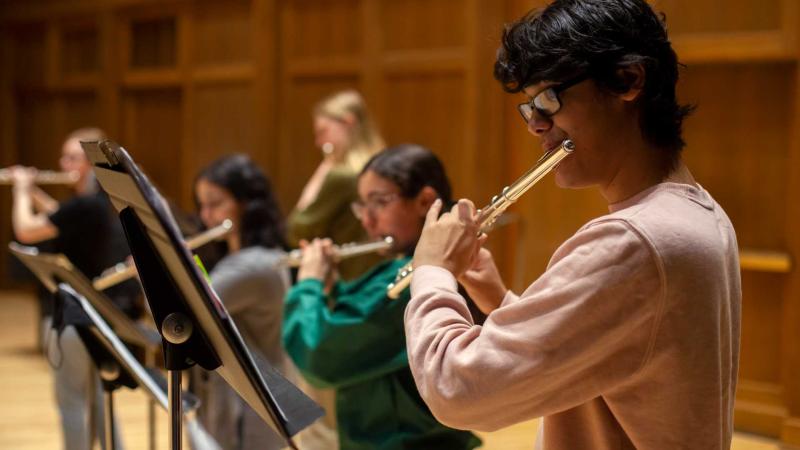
x=348, y=137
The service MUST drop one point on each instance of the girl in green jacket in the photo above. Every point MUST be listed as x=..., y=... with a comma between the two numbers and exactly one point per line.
x=349, y=335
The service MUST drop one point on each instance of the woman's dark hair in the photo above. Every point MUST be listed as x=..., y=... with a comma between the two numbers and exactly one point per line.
x=411, y=167
x=597, y=37
x=261, y=222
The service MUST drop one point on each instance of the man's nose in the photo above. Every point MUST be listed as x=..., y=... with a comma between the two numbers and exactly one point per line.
x=539, y=123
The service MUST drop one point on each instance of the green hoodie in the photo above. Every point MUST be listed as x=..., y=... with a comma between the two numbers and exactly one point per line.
x=358, y=347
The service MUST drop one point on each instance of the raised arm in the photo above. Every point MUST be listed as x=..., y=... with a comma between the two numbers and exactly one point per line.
x=567, y=339
x=29, y=226
x=353, y=334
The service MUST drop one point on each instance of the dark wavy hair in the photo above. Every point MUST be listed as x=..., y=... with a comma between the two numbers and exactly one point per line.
x=411, y=167
x=261, y=222
x=597, y=37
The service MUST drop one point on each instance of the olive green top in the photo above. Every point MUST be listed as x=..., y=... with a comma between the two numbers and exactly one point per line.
x=329, y=215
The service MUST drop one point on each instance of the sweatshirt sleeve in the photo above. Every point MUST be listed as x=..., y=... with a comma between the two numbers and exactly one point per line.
x=359, y=338
x=237, y=279
x=584, y=326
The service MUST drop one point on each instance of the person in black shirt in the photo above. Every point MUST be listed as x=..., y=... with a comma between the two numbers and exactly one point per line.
x=86, y=231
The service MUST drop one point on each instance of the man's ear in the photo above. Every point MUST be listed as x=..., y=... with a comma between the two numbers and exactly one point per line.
x=631, y=79
x=425, y=199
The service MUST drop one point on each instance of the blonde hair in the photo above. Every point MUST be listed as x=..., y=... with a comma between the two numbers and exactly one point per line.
x=87, y=134
x=365, y=139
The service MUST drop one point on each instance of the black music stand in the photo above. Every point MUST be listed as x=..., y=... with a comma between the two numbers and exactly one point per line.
x=118, y=367
x=193, y=322
x=51, y=269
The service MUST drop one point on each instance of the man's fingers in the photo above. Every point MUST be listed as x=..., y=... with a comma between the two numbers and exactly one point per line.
x=433, y=211
x=464, y=209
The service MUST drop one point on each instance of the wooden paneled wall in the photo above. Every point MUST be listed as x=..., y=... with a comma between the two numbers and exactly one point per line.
x=179, y=83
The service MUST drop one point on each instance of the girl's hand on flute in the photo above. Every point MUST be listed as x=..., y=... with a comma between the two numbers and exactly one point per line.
x=318, y=260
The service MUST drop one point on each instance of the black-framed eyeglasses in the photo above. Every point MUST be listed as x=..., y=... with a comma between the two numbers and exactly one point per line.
x=373, y=204
x=547, y=102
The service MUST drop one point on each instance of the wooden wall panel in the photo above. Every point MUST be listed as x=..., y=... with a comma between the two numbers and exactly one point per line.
x=151, y=132
x=8, y=143
x=182, y=82
x=79, y=53
x=225, y=124
x=29, y=55
x=79, y=110
x=429, y=110
x=153, y=42
x=314, y=28
x=790, y=357
x=422, y=24
x=761, y=349
x=720, y=15
x=221, y=33
x=36, y=148
x=740, y=169
x=33, y=147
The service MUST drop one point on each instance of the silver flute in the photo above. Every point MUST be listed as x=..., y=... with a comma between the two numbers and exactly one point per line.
x=488, y=215
x=43, y=177
x=344, y=251
x=124, y=271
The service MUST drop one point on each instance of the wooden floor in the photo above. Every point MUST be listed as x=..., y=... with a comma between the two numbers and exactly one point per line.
x=29, y=420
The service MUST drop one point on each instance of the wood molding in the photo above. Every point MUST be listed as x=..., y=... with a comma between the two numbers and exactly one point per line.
x=155, y=78
x=754, y=417
x=760, y=391
x=733, y=47
x=238, y=73
x=318, y=67
x=790, y=433
x=790, y=354
x=79, y=82
x=760, y=408
x=445, y=60
x=765, y=260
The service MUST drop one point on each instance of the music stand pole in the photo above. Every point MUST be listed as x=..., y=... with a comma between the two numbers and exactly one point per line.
x=109, y=372
x=150, y=361
x=176, y=329
x=175, y=409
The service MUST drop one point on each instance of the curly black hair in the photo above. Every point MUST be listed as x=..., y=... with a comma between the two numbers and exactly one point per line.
x=261, y=222
x=596, y=38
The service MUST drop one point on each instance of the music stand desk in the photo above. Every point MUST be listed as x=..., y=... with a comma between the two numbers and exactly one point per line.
x=193, y=322
x=59, y=276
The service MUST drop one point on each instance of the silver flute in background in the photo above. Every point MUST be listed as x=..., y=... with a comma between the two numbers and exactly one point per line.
x=344, y=251
x=123, y=271
x=488, y=215
x=43, y=177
